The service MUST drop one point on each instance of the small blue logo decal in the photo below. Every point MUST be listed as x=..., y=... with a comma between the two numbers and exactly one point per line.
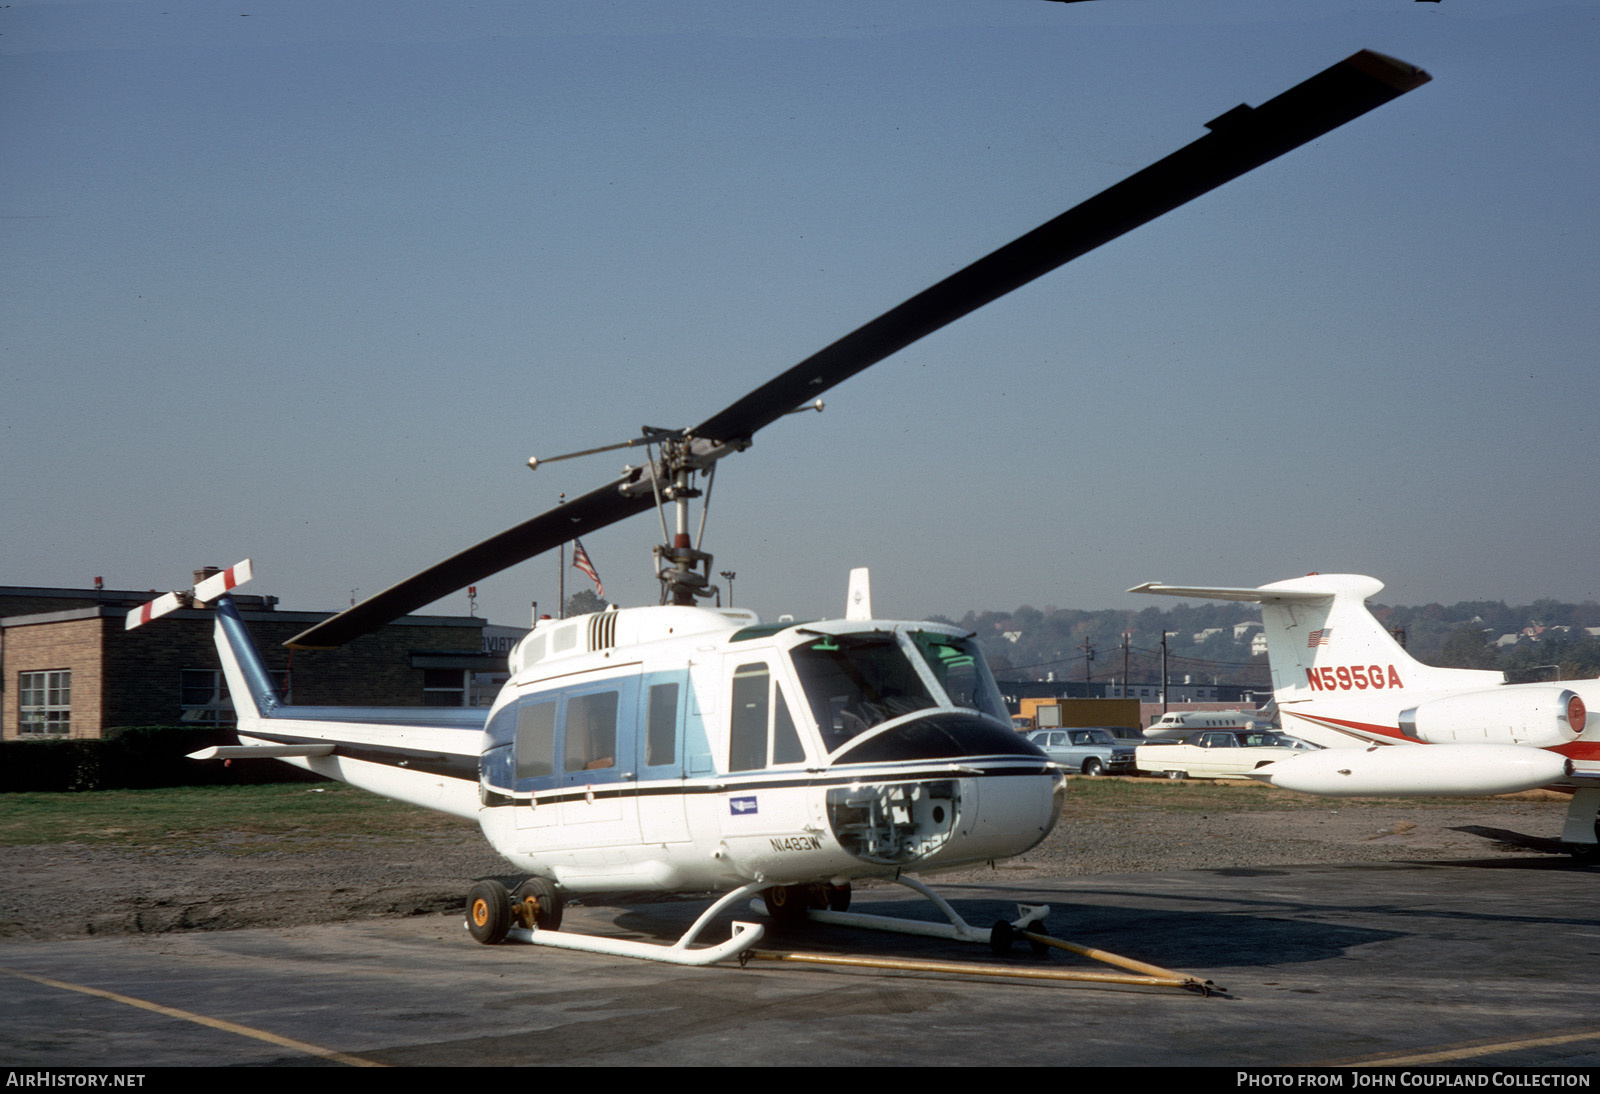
x=740, y=806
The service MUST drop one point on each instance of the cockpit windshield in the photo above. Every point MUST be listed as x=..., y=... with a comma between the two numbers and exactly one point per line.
x=856, y=681
x=958, y=665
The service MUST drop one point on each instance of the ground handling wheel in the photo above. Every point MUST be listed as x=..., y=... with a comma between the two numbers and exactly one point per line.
x=1003, y=935
x=787, y=904
x=489, y=912
x=538, y=905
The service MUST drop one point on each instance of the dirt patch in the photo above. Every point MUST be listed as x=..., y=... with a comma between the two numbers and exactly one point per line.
x=74, y=890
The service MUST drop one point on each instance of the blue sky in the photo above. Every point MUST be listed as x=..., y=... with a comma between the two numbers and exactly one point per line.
x=309, y=282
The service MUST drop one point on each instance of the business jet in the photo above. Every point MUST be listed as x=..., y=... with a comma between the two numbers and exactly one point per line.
x=1341, y=681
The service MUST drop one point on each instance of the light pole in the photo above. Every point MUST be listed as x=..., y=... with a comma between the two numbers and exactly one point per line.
x=1164, y=669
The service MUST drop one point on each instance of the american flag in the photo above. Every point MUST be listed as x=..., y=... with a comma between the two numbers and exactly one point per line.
x=580, y=561
x=1319, y=638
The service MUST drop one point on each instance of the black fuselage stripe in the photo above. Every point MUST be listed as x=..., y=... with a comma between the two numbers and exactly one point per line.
x=444, y=764
x=660, y=788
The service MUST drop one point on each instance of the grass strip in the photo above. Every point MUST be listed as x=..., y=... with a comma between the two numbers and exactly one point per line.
x=244, y=818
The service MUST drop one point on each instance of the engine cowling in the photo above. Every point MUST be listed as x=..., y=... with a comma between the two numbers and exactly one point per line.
x=1407, y=770
x=1539, y=716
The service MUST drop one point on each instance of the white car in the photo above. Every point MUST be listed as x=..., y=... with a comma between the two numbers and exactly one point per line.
x=1216, y=753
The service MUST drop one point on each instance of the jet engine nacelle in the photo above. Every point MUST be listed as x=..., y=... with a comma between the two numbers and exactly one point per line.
x=1437, y=770
x=1525, y=714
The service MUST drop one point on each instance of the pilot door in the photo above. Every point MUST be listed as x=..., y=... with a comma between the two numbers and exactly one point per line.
x=765, y=753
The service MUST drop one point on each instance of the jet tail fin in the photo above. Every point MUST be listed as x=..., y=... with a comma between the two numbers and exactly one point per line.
x=1322, y=638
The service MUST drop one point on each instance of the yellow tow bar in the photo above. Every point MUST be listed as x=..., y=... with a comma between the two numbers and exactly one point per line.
x=1148, y=975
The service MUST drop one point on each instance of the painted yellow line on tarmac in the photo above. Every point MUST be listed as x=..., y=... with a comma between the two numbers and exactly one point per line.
x=200, y=1019
x=1467, y=1052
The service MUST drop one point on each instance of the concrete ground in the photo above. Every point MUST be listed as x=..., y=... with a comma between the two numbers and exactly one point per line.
x=1473, y=962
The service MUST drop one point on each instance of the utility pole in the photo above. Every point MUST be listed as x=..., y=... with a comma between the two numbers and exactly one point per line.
x=1088, y=662
x=1125, y=637
x=1164, y=669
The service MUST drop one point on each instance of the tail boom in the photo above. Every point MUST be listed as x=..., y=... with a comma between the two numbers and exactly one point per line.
x=427, y=756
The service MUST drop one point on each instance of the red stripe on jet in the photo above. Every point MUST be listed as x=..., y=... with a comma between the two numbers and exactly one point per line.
x=1388, y=733
x=1575, y=750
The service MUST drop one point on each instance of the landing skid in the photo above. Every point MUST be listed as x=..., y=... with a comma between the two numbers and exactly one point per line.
x=956, y=929
x=492, y=917
x=744, y=936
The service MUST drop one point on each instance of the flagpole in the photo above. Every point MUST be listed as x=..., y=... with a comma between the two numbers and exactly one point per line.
x=561, y=571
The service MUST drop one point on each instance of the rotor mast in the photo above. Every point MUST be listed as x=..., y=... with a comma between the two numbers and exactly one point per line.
x=676, y=560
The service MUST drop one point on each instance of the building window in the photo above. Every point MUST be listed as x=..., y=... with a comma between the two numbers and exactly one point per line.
x=203, y=699
x=45, y=703
x=485, y=687
x=444, y=687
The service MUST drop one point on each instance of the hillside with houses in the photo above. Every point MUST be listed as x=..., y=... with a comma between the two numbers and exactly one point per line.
x=1222, y=642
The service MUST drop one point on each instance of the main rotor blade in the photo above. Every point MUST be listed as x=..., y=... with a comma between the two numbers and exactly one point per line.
x=1239, y=141
x=576, y=518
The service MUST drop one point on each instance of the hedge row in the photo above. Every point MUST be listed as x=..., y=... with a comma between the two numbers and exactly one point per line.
x=134, y=758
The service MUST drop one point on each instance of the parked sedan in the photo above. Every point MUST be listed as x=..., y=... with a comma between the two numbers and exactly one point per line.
x=1090, y=751
x=1217, y=753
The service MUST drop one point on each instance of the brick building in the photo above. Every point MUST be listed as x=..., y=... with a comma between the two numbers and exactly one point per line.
x=70, y=668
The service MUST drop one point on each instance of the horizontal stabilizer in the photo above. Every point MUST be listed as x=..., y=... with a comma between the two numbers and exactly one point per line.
x=1254, y=596
x=260, y=752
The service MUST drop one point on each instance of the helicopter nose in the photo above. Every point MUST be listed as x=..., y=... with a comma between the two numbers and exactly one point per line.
x=978, y=791
x=978, y=816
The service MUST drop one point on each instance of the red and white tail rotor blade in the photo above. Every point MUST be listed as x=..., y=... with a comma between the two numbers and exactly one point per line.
x=222, y=581
x=204, y=593
x=155, y=609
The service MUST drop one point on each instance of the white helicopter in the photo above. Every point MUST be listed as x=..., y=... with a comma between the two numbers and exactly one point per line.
x=1341, y=681
x=686, y=748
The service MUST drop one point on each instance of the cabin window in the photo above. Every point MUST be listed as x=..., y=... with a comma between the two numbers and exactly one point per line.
x=786, y=747
x=591, y=732
x=661, y=737
x=747, y=729
x=854, y=682
x=759, y=716
x=536, y=739
x=962, y=672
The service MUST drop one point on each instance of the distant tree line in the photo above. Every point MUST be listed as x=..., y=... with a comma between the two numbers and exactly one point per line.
x=1039, y=644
